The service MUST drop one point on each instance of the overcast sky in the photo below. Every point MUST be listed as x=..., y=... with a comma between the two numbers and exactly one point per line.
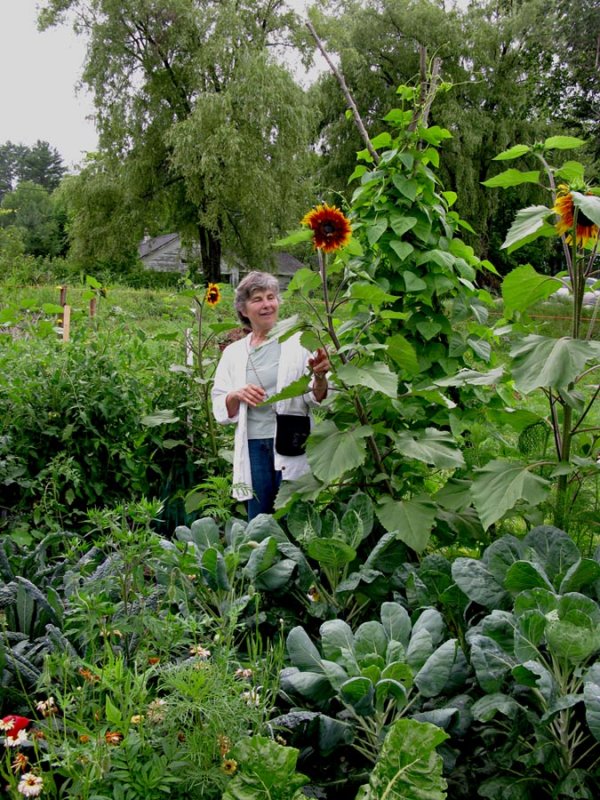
x=39, y=73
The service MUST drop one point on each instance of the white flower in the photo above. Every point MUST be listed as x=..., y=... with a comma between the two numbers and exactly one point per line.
x=252, y=697
x=30, y=785
x=200, y=651
x=16, y=741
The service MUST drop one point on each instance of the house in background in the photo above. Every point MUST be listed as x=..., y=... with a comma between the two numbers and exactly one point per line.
x=167, y=254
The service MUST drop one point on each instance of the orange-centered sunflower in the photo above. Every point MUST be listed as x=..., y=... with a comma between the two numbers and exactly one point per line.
x=565, y=208
x=213, y=295
x=331, y=229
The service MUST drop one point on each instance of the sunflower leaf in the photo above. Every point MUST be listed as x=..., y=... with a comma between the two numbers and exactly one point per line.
x=512, y=177
x=514, y=152
x=563, y=143
x=589, y=205
x=527, y=224
x=523, y=287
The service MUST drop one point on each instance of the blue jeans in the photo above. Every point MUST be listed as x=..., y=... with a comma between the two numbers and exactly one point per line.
x=265, y=479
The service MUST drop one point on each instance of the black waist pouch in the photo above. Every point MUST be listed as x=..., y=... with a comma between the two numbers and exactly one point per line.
x=291, y=434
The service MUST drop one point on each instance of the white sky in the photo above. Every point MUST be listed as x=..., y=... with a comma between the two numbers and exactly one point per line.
x=39, y=73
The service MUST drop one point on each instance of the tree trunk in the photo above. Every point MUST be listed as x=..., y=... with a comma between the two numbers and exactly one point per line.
x=210, y=255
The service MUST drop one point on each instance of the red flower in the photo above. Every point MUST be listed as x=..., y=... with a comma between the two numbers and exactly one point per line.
x=331, y=229
x=12, y=724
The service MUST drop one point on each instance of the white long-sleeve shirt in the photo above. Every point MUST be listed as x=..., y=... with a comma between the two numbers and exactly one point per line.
x=231, y=375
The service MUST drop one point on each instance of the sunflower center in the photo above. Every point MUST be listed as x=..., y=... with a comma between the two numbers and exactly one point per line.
x=328, y=228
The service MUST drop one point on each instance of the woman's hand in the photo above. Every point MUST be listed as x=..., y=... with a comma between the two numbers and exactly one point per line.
x=250, y=393
x=320, y=366
x=319, y=363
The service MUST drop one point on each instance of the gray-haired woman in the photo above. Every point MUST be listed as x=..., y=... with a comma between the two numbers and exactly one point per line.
x=251, y=370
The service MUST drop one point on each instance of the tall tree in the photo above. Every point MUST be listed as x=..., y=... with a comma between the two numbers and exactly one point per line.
x=32, y=211
x=191, y=145
x=491, y=58
x=40, y=164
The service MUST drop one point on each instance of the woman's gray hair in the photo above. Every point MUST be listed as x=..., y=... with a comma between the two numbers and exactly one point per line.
x=253, y=282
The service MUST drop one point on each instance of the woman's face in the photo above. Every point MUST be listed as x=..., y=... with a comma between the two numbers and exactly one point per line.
x=262, y=309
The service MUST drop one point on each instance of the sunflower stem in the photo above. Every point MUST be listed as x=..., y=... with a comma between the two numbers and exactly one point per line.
x=360, y=410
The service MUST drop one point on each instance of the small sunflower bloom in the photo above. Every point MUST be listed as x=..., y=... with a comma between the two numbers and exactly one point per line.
x=229, y=766
x=213, y=294
x=564, y=206
x=30, y=785
x=331, y=228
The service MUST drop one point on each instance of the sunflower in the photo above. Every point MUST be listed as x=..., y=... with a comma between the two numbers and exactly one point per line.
x=331, y=229
x=565, y=208
x=213, y=295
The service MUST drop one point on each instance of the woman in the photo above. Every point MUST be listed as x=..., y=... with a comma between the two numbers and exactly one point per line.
x=251, y=370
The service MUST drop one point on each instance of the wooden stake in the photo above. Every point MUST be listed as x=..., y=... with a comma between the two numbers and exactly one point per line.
x=66, y=327
x=93, y=303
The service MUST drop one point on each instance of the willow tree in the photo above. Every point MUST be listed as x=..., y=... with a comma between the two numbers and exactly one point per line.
x=202, y=122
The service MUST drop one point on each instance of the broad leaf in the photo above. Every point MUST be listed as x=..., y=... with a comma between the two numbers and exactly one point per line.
x=408, y=768
x=500, y=485
x=331, y=553
x=437, y=672
x=540, y=361
x=294, y=389
x=396, y=622
x=302, y=652
x=527, y=222
x=589, y=205
x=478, y=583
x=511, y=177
x=514, y=152
x=412, y=519
x=430, y=446
x=490, y=662
x=332, y=452
x=523, y=287
x=375, y=376
x=563, y=143
x=591, y=698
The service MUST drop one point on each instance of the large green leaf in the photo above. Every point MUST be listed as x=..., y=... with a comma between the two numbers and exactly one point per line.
x=563, y=143
x=500, y=485
x=375, y=376
x=430, y=446
x=523, y=287
x=331, y=553
x=589, y=204
x=490, y=662
x=437, y=672
x=303, y=654
x=478, y=583
x=591, y=698
x=528, y=222
x=412, y=519
x=512, y=177
x=294, y=389
x=267, y=771
x=336, y=639
x=541, y=361
x=514, y=152
x=408, y=768
x=403, y=353
x=396, y=622
x=332, y=452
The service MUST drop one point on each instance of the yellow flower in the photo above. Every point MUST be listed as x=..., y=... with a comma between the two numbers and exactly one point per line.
x=331, y=229
x=565, y=208
x=213, y=294
x=229, y=766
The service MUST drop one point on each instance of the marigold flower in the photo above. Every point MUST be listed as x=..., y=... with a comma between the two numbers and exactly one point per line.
x=113, y=737
x=229, y=766
x=88, y=675
x=136, y=719
x=30, y=785
x=12, y=724
x=565, y=208
x=331, y=228
x=153, y=660
x=20, y=762
x=84, y=738
x=213, y=294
